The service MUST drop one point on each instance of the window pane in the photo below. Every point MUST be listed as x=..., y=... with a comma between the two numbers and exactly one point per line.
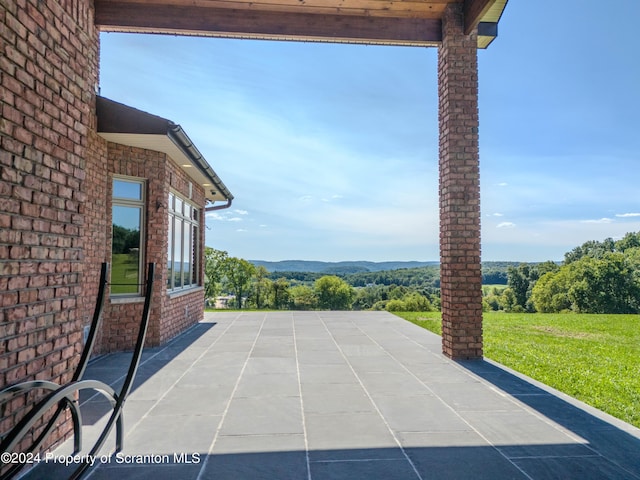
x=170, y=253
x=129, y=190
x=125, y=249
x=177, y=259
x=178, y=205
x=194, y=255
x=186, y=254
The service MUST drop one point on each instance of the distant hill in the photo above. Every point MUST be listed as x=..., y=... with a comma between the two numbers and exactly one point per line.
x=336, y=267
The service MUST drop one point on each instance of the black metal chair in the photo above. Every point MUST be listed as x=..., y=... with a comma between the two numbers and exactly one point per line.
x=64, y=396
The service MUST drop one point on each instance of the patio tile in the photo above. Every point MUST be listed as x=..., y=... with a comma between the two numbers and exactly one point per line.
x=178, y=434
x=388, y=469
x=276, y=384
x=344, y=395
x=259, y=443
x=344, y=434
x=256, y=466
x=455, y=463
x=424, y=413
x=584, y=468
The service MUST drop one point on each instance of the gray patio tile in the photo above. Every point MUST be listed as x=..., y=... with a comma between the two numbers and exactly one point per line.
x=443, y=439
x=259, y=443
x=388, y=469
x=256, y=466
x=383, y=383
x=270, y=350
x=141, y=471
x=264, y=365
x=455, y=463
x=203, y=400
x=518, y=427
x=263, y=416
x=367, y=350
x=177, y=434
x=276, y=384
x=351, y=399
x=201, y=374
x=320, y=357
x=424, y=413
x=469, y=396
x=440, y=373
x=584, y=468
x=327, y=374
x=481, y=431
x=344, y=434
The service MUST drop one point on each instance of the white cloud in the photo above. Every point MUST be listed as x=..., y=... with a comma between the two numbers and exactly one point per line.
x=223, y=217
x=506, y=225
x=600, y=221
x=503, y=184
x=626, y=215
x=241, y=212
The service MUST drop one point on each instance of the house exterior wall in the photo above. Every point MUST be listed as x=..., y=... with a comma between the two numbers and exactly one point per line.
x=170, y=313
x=48, y=76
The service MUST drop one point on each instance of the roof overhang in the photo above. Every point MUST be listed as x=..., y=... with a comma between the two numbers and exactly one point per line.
x=372, y=22
x=125, y=125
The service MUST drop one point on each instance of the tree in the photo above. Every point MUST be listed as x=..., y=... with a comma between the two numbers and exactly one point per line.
x=592, y=248
x=608, y=284
x=333, y=293
x=518, y=281
x=302, y=297
x=238, y=273
x=260, y=287
x=551, y=292
x=214, y=271
x=280, y=293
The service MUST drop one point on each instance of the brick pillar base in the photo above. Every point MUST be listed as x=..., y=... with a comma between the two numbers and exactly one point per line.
x=460, y=267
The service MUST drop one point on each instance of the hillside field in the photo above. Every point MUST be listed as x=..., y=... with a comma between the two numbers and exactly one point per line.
x=591, y=357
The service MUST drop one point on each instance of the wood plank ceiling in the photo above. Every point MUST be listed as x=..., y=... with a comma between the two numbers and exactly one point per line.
x=377, y=22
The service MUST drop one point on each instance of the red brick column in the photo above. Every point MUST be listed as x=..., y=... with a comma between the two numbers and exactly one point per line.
x=460, y=268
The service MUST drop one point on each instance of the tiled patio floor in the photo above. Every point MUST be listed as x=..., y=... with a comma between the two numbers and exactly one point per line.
x=343, y=395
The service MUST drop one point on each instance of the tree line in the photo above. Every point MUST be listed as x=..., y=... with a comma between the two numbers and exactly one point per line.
x=595, y=277
x=255, y=287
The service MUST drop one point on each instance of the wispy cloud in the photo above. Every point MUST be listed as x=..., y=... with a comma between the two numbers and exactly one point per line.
x=627, y=215
x=599, y=221
x=224, y=216
x=506, y=225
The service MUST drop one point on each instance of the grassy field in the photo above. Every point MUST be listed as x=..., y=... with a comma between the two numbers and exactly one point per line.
x=594, y=358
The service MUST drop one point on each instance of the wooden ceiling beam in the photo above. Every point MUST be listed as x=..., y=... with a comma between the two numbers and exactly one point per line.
x=124, y=16
x=474, y=10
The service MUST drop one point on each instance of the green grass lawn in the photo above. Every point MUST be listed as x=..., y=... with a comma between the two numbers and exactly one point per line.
x=594, y=358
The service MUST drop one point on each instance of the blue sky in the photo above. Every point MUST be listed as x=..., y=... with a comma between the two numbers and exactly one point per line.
x=331, y=151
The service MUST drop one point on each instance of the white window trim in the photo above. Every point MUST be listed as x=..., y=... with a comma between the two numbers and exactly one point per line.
x=196, y=261
x=142, y=204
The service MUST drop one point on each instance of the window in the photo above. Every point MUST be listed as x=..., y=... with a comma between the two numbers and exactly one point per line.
x=183, y=253
x=126, y=248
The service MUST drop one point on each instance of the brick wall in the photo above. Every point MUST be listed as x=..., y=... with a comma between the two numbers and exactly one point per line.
x=48, y=73
x=170, y=315
x=460, y=267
